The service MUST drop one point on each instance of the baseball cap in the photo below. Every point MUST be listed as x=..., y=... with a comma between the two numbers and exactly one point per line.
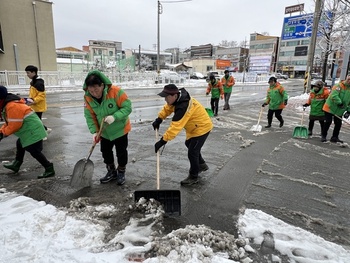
x=169, y=89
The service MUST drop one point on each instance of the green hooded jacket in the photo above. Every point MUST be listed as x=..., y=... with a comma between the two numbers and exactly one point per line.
x=114, y=102
x=339, y=100
x=276, y=97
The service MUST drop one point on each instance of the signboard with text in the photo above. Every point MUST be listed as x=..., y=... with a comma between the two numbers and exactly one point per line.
x=294, y=8
x=295, y=27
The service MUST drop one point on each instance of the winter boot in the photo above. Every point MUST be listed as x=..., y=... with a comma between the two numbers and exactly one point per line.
x=111, y=174
x=268, y=126
x=14, y=166
x=49, y=172
x=120, y=175
x=336, y=139
x=190, y=180
x=310, y=133
x=281, y=123
x=203, y=167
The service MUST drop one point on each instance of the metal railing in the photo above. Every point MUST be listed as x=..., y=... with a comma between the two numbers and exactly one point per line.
x=19, y=79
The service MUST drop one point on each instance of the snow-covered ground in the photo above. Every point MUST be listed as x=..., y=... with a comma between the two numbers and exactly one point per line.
x=33, y=231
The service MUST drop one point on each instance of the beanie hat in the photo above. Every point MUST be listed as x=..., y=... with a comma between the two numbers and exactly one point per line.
x=3, y=92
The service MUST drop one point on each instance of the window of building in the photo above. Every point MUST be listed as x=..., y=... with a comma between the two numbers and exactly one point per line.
x=292, y=43
x=305, y=42
x=111, y=53
x=252, y=38
x=64, y=55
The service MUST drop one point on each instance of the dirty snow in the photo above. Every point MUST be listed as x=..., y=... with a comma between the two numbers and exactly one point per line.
x=33, y=231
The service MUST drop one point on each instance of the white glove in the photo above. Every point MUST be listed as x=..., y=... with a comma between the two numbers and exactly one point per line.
x=29, y=101
x=95, y=138
x=109, y=119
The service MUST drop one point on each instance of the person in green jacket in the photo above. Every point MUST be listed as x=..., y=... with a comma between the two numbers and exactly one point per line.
x=316, y=100
x=107, y=103
x=227, y=83
x=217, y=92
x=337, y=104
x=22, y=121
x=277, y=99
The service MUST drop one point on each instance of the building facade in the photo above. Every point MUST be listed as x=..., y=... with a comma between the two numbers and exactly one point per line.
x=263, y=53
x=27, y=35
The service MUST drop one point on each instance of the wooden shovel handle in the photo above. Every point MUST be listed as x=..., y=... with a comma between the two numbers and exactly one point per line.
x=260, y=114
x=158, y=154
x=98, y=135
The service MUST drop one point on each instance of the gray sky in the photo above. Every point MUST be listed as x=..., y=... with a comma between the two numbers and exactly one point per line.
x=134, y=22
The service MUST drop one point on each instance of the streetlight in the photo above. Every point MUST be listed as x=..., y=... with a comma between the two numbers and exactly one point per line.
x=159, y=12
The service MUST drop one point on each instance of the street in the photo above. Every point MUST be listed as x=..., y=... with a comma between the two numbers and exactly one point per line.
x=302, y=181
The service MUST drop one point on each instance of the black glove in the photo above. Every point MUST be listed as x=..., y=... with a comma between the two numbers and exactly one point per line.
x=1, y=136
x=159, y=144
x=264, y=104
x=346, y=114
x=285, y=102
x=157, y=123
x=341, y=105
x=207, y=93
x=306, y=105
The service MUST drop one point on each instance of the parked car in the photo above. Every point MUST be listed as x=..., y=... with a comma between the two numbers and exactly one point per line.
x=215, y=73
x=281, y=76
x=327, y=82
x=168, y=76
x=197, y=75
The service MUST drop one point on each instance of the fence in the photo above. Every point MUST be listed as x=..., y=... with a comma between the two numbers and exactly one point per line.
x=19, y=79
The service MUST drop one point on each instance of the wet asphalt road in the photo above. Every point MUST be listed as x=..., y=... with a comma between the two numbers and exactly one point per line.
x=303, y=182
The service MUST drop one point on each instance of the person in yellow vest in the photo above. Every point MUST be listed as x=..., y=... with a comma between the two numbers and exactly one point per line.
x=227, y=82
x=37, y=93
x=190, y=115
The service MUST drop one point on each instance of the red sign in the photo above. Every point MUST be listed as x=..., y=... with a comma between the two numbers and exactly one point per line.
x=222, y=64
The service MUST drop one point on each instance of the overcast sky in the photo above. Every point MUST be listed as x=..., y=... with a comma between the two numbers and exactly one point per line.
x=182, y=24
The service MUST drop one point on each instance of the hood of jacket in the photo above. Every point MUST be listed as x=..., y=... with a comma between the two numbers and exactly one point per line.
x=102, y=76
x=183, y=96
x=9, y=97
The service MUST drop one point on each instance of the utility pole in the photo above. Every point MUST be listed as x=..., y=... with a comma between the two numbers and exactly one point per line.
x=160, y=11
x=310, y=58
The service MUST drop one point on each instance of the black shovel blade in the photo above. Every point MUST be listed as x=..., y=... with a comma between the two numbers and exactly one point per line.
x=82, y=174
x=170, y=199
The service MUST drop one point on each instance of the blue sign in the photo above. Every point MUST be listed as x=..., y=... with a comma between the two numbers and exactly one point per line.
x=297, y=27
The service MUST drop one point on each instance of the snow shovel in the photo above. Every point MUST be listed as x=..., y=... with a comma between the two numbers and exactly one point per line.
x=209, y=110
x=170, y=199
x=301, y=131
x=257, y=128
x=84, y=168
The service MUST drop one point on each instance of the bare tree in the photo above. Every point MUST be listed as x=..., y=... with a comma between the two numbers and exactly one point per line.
x=334, y=31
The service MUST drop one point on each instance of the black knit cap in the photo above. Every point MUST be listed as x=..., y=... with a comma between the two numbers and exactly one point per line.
x=3, y=92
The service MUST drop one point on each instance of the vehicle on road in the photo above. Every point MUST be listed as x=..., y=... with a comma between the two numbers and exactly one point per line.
x=197, y=75
x=327, y=82
x=281, y=76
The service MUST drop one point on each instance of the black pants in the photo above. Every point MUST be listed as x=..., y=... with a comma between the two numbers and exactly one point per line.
x=277, y=115
x=214, y=103
x=337, y=125
x=34, y=150
x=312, y=123
x=194, y=146
x=40, y=114
x=121, y=145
